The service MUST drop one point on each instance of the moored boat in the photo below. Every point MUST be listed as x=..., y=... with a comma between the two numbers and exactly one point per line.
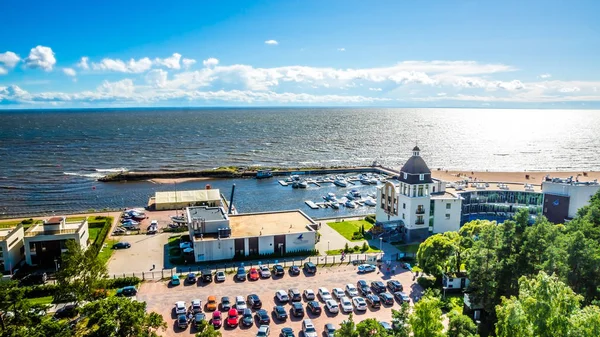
x=262, y=174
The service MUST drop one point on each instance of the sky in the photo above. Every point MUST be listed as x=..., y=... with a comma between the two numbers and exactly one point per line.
x=438, y=53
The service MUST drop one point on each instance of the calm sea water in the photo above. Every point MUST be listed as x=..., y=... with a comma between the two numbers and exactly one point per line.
x=49, y=159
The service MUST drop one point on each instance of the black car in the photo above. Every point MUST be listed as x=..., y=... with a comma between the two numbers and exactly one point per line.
x=310, y=268
x=121, y=245
x=297, y=309
x=127, y=291
x=247, y=319
x=280, y=313
x=394, y=285
x=363, y=287
x=33, y=279
x=314, y=307
x=294, y=270
x=263, y=317
x=295, y=295
x=278, y=270
x=287, y=332
x=241, y=274
x=225, y=303
x=329, y=330
x=254, y=301
x=386, y=298
x=198, y=318
x=207, y=276
x=67, y=311
x=191, y=278
x=377, y=287
x=373, y=301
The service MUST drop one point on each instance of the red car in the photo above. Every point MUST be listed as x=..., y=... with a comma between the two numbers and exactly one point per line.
x=253, y=274
x=216, y=319
x=232, y=318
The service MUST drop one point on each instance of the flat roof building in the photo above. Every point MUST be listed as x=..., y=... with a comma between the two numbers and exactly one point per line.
x=180, y=199
x=44, y=243
x=11, y=247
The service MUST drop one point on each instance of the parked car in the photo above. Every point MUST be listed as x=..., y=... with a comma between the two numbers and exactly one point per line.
x=309, y=294
x=363, y=287
x=366, y=268
x=373, y=300
x=182, y=321
x=332, y=306
x=180, y=307
x=294, y=270
x=253, y=274
x=338, y=293
x=211, y=303
x=127, y=291
x=264, y=271
x=175, y=280
x=191, y=278
x=386, y=298
x=294, y=294
x=377, y=287
x=308, y=328
x=297, y=309
x=247, y=319
x=329, y=330
x=401, y=297
x=282, y=296
x=121, y=245
x=278, y=270
x=314, y=307
x=351, y=290
x=254, y=301
x=324, y=294
x=240, y=304
x=394, y=285
x=241, y=274
x=280, y=313
x=207, y=276
x=359, y=303
x=196, y=306
x=287, y=332
x=66, y=311
x=346, y=304
x=232, y=318
x=263, y=317
x=216, y=320
x=263, y=331
x=220, y=276
x=225, y=303
x=310, y=268
x=198, y=318
x=387, y=326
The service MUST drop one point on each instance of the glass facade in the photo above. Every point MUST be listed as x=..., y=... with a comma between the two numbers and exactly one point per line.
x=499, y=205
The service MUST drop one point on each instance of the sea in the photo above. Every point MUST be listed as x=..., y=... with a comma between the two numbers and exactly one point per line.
x=50, y=160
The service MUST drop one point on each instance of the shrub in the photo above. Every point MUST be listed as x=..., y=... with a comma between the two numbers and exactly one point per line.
x=175, y=230
x=122, y=282
x=426, y=282
x=452, y=303
x=39, y=291
x=27, y=222
x=346, y=248
x=356, y=248
x=370, y=218
x=357, y=236
x=364, y=247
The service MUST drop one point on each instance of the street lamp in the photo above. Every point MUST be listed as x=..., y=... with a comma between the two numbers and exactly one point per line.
x=327, y=245
x=381, y=246
x=56, y=264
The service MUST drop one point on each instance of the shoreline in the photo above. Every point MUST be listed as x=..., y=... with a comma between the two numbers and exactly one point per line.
x=535, y=177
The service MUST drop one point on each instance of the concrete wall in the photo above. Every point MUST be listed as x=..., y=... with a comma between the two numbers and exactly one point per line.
x=11, y=249
x=265, y=245
x=293, y=242
x=440, y=223
x=81, y=237
x=579, y=194
x=209, y=250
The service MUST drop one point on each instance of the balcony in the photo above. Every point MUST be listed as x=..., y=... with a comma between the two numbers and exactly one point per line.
x=420, y=211
x=419, y=222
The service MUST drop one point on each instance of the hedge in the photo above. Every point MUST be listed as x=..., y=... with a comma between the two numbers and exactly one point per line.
x=370, y=218
x=106, y=224
x=49, y=289
x=122, y=282
x=426, y=282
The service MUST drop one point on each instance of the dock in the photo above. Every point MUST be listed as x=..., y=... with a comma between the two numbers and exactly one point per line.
x=311, y=204
x=282, y=183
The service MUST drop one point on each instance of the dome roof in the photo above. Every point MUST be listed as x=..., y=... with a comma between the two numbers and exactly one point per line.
x=416, y=148
x=415, y=165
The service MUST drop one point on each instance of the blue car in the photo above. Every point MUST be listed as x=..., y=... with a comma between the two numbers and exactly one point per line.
x=175, y=280
x=366, y=268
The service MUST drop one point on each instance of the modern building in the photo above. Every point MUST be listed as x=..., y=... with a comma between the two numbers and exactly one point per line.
x=11, y=247
x=170, y=200
x=217, y=235
x=563, y=197
x=44, y=243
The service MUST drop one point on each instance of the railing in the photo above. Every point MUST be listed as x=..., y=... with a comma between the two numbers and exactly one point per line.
x=51, y=232
x=420, y=211
x=420, y=222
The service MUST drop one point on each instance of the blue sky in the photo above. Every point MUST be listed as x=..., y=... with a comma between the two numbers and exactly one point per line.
x=383, y=53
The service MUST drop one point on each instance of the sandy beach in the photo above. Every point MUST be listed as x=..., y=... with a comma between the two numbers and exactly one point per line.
x=535, y=177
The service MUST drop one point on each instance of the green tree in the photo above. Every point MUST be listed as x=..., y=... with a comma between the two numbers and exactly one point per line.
x=435, y=254
x=370, y=327
x=347, y=328
x=585, y=323
x=426, y=320
x=207, y=330
x=400, y=318
x=121, y=317
x=583, y=266
x=460, y=325
x=80, y=275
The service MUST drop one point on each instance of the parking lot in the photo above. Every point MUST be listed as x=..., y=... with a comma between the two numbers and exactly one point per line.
x=161, y=297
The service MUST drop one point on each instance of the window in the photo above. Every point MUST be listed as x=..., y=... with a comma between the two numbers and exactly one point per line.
x=448, y=205
x=403, y=216
x=447, y=216
x=405, y=175
x=421, y=177
x=420, y=191
x=404, y=206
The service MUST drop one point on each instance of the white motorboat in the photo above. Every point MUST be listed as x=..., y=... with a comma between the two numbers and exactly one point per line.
x=303, y=184
x=341, y=182
x=370, y=202
x=295, y=177
x=350, y=196
x=364, y=180
x=350, y=204
x=335, y=205
x=355, y=193
x=330, y=197
x=178, y=219
x=373, y=181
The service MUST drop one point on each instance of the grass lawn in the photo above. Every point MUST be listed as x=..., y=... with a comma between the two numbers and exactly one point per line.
x=106, y=251
x=76, y=218
x=347, y=228
x=40, y=300
x=174, y=241
x=94, y=233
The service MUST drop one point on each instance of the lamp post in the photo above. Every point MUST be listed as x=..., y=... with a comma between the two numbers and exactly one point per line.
x=327, y=245
x=381, y=247
x=56, y=264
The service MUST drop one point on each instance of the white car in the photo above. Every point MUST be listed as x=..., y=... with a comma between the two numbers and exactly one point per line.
x=338, y=293
x=180, y=307
x=359, y=303
x=240, y=304
x=324, y=294
x=308, y=328
x=220, y=276
x=263, y=331
x=196, y=306
x=332, y=306
x=346, y=304
x=282, y=296
x=351, y=290
x=264, y=271
x=309, y=294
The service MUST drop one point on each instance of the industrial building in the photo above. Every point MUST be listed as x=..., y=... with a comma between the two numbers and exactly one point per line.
x=217, y=235
x=170, y=200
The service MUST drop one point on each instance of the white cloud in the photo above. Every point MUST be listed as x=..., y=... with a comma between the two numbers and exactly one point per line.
x=9, y=59
x=69, y=72
x=441, y=94
x=3, y=71
x=211, y=62
x=157, y=78
x=122, y=88
x=41, y=57
x=375, y=89
x=187, y=63
x=83, y=63
x=567, y=89
x=132, y=66
x=271, y=42
x=546, y=75
x=341, y=49
x=171, y=62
